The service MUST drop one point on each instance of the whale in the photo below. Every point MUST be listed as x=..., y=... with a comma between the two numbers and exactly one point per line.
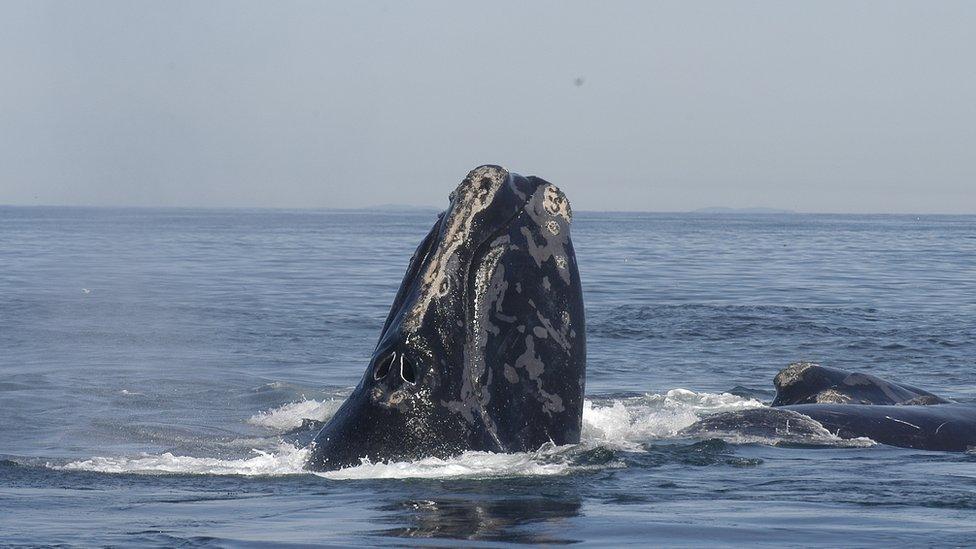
x=484, y=346
x=942, y=427
x=484, y=349
x=852, y=405
x=811, y=383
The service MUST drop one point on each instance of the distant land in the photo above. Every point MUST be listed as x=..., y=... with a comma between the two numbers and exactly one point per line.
x=722, y=210
x=712, y=210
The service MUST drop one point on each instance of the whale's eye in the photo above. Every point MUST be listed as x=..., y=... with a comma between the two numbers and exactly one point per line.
x=407, y=371
x=383, y=366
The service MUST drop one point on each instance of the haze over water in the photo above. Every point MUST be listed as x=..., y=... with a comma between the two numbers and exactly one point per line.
x=157, y=365
x=862, y=107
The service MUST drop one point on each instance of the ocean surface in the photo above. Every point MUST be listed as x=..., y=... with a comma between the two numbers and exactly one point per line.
x=156, y=367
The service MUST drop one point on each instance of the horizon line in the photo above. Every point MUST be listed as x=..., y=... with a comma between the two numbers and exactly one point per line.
x=418, y=208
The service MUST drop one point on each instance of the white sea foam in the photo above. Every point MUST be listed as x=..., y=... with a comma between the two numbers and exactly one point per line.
x=622, y=423
x=287, y=460
x=289, y=416
x=545, y=462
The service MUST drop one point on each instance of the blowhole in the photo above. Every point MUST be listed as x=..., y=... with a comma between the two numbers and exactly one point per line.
x=407, y=371
x=383, y=366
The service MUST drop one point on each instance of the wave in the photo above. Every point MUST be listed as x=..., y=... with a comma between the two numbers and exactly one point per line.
x=287, y=460
x=605, y=420
x=611, y=424
x=547, y=461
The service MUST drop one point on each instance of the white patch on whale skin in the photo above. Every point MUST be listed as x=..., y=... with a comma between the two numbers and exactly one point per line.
x=475, y=194
x=550, y=212
x=556, y=204
x=510, y=374
x=832, y=396
x=395, y=398
x=793, y=373
x=905, y=422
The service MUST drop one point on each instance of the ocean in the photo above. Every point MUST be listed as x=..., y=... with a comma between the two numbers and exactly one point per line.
x=156, y=367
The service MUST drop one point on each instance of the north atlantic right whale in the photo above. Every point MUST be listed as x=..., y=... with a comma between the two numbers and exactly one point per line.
x=810, y=383
x=853, y=405
x=484, y=347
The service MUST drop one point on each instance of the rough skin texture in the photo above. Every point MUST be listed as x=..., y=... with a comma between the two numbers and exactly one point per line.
x=484, y=347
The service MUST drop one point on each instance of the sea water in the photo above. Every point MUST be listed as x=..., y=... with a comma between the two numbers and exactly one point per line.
x=159, y=369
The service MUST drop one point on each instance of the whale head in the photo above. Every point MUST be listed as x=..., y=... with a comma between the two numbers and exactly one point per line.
x=484, y=346
x=810, y=383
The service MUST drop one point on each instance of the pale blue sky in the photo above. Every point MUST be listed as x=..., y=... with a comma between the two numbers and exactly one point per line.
x=817, y=106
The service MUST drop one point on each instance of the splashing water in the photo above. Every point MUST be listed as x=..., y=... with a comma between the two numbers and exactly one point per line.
x=618, y=424
x=625, y=423
x=545, y=462
x=288, y=460
x=290, y=416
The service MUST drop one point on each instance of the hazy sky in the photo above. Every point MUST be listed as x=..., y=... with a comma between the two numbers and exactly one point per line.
x=815, y=106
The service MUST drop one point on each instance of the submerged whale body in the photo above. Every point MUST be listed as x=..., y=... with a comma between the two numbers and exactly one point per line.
x=946, y=427
x=853, y=405
x=484, y=347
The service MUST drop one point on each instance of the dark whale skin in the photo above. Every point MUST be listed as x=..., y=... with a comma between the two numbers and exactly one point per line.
x=484, y=347
x=944, y=427
x=854, y=405
x=809, y=383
